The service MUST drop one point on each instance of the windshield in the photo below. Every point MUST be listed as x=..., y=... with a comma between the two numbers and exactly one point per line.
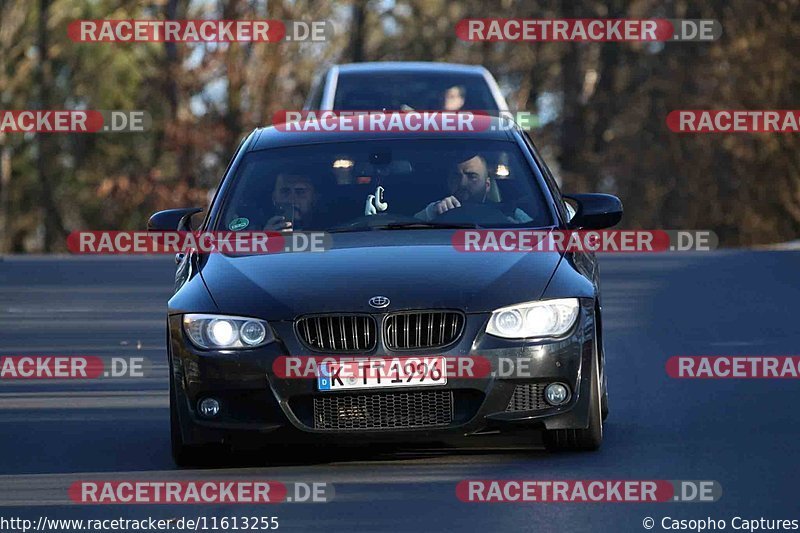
x=421, y=91
x=391, y=184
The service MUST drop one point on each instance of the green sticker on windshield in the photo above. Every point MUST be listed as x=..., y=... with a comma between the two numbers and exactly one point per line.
x=238, y=223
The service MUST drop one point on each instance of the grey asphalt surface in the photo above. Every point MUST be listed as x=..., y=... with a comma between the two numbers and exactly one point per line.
x=742, y=433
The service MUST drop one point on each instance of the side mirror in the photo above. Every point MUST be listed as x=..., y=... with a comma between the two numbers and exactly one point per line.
x=173, y=219
x=595, y=211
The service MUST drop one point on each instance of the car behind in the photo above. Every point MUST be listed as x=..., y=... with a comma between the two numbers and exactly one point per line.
x=403, y=86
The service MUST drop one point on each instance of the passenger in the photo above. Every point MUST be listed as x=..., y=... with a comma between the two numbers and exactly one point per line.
x=294, y=198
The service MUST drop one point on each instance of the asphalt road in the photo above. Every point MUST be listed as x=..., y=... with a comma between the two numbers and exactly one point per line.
x=742, y=433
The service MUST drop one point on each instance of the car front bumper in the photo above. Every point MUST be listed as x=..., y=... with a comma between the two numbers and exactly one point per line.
x=256, y=403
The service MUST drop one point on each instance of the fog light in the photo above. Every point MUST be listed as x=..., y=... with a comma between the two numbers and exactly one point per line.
x=556, y=393
x=208, y=407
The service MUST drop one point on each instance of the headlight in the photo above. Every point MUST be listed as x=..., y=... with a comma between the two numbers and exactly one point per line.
x=545, y=318
x=226, y=332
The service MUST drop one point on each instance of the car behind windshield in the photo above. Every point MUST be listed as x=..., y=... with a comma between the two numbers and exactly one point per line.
x=401, y=91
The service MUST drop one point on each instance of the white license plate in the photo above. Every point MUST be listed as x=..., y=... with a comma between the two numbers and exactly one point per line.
x=380, y=373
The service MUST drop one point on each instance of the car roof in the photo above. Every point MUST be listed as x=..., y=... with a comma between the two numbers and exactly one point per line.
x=410, y=66
x=491, y=128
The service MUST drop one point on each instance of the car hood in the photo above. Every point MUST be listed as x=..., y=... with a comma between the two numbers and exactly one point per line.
x=414, y=269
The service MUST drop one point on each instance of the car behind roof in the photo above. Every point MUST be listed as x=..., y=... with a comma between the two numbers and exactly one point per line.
x=410, y=66
x=492, y=128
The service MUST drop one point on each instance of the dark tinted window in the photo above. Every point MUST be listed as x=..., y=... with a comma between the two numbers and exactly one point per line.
x=325, y=186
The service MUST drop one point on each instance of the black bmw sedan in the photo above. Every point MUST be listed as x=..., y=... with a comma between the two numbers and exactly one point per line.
x=389, y=286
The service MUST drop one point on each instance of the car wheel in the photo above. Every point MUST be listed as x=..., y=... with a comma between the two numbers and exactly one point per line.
x=582, y=439
x=604, y=401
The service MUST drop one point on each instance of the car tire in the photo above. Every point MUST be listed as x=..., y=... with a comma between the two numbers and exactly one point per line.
x=604, y=401
x=582, y=439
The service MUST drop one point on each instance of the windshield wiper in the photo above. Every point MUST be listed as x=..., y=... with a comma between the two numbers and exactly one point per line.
x=426, y=225
x=403, y=225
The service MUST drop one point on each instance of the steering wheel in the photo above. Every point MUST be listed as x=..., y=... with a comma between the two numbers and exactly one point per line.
x=481, y=214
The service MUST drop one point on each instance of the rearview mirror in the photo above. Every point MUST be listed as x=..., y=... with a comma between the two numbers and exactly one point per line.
x=173, y=219
x=595, y=211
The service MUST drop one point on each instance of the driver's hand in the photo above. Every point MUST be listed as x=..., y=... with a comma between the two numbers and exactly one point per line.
x=451, y=202
x=278, y=223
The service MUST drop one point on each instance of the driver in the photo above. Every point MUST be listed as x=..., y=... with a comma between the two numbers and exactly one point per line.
x=469, y=184
x=454, y=98
x=294, y=198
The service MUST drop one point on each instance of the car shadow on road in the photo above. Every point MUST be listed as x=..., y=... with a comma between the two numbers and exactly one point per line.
x=384, y=454
x=125, y=441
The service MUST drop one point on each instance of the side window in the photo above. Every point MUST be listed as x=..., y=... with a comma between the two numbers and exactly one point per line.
x=314, y=101
x=214, y=195
x=567, y=210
